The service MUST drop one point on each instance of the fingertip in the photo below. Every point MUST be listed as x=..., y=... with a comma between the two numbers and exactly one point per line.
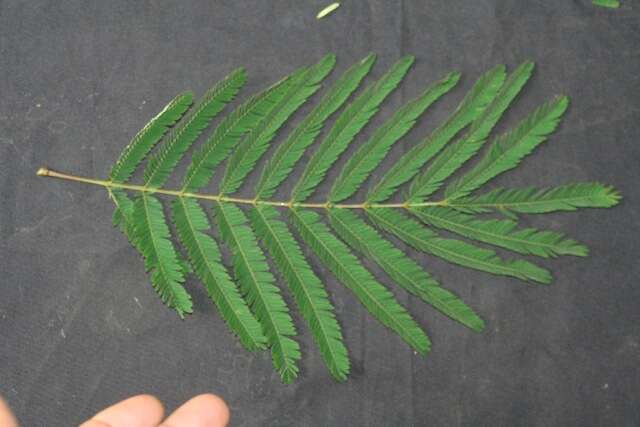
x=151, y=400
x=205, y=410
x=7, y=419
x=217, y=406
x=143, y=410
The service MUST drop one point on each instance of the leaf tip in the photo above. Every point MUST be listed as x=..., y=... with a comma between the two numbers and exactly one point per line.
x=454, y=76
x=369, y=59
x=580, y=250
x=186, y=97
x=329, y=58
x=563, y=101
x=409, y=59
x=613, y=195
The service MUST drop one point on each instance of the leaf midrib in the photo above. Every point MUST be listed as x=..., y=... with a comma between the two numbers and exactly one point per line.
x=159, y=265
x=454, y=254
x=506, y=205
x=493, y=235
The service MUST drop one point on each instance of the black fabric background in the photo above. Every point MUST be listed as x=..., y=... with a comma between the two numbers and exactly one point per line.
x=80, y=326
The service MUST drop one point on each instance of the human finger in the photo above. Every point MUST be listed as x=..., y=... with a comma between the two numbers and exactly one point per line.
x=138, y=411
x=6, y=416
x=205, y=410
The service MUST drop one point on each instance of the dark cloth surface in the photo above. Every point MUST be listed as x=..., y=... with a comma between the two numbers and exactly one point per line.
x=80, y=326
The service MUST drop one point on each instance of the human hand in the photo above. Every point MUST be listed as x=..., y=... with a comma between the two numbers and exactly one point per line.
x=205, y=410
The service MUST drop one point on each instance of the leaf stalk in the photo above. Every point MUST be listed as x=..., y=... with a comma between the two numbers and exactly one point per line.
x=44, y=171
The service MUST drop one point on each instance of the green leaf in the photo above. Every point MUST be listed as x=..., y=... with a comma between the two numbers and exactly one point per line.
x=613, y=4
x=123, y=211
x=530, y=200
x=227, y=134
x=194, y=123
x=503, y=233
x=153, y=239
x=288, y=153
x=509, y=149
x=135, y=152
x=149, y=136
x=345, y=266
x=347, y=126
x=455, y=155
x=455, y=251
x=302, y=85
x=308, y=291
x=402, y=269
x=369, y=155
x=191, y=223
x=249, y=299
x=469, y=110
x=258, y=285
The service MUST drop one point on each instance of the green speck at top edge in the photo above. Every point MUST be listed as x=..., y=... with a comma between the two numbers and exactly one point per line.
x=327, y=10
x=612, y=4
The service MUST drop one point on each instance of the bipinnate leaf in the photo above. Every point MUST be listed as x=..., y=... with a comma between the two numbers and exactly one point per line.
x=246, y=292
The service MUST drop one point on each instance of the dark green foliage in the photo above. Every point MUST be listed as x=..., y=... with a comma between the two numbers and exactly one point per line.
x=258, y=285
x=152, y=238
x=354, y=117
x=455, y=251
x=262, y=245
x=185, y=133
x=191, y=223
x=307, y=289
x=403, y=270
x=346, y=267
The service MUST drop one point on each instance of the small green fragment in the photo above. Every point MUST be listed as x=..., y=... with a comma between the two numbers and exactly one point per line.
x=613, y=4
x=327, y=10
